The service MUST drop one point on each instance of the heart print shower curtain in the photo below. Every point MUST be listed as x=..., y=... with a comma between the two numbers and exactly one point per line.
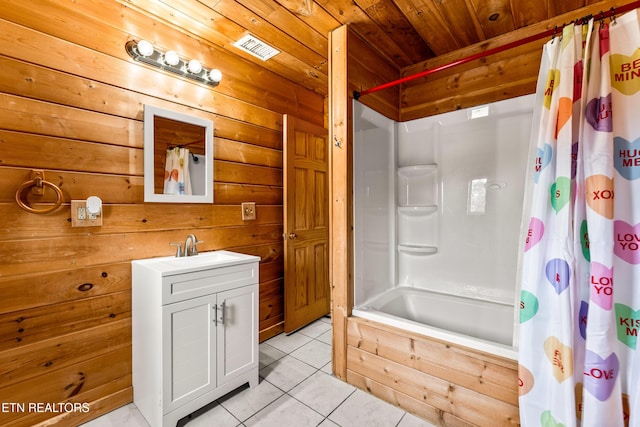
x=580, y=296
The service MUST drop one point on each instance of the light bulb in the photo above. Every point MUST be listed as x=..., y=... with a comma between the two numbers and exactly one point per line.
x=215, y=75
x=194, y=66
x=144, y=48
x=171, y=58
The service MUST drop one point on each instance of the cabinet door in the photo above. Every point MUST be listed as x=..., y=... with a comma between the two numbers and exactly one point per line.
x=189, y=336
x=238, y=333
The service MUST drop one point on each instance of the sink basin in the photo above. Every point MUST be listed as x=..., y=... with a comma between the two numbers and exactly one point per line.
x=213, y=259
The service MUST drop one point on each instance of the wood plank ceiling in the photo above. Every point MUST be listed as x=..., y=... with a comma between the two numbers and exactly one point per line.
x=405, y=31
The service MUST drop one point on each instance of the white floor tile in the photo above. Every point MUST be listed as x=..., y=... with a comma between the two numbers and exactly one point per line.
x=315, y=329
x=322, y=392
x=269, y=354
x=410, y=420
x=247, y=401
x=364, y=409
x=326, y=337
x=284, y=412
x=127, y=415
x=315, y=353
x=288, y=343
x=212, y=415
x=297, y=388
x=328, y=423
x=286, y=373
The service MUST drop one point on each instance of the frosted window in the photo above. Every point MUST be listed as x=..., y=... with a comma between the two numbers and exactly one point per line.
x=477, y=200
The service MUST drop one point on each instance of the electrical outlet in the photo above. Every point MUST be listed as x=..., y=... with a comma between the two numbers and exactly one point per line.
x=248, y=211
x=81, y=218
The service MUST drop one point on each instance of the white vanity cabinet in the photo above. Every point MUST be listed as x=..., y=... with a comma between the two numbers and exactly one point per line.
x=195, y=331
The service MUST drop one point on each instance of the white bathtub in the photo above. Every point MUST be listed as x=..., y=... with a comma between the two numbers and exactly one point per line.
x=479, y=324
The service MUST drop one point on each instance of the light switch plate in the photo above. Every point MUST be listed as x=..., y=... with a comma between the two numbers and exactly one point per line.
x=81, y=218
x=248, y=211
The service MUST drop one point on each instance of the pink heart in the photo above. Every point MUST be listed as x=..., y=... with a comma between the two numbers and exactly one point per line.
x=627, y=241
x=536, y=230
x=602, y=285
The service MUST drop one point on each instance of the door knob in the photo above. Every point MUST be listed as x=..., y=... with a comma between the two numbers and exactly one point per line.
x=292, y=236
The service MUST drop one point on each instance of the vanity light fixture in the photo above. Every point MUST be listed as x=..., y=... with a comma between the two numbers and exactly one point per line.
x=143, y=51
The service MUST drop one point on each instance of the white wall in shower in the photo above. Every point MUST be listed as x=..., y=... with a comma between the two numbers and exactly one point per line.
x=453, y=185
x=479, y=160
x=374, y=203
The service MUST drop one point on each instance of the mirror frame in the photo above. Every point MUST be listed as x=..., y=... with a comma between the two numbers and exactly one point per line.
x=150, y=112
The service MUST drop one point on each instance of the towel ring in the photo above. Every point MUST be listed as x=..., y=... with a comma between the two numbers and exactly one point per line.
x=37, y=184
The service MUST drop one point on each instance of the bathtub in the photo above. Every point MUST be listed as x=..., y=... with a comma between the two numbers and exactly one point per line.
x=479, y=324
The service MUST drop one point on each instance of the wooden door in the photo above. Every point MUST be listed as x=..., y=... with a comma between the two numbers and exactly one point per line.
x=306, y=223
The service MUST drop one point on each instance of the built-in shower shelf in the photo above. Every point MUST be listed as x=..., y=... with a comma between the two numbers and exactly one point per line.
x=417, y=249
x=417, y=170
x=417, y=210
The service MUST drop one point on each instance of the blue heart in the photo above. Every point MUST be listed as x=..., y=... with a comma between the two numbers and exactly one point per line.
x=543, y=158
x=626, y=157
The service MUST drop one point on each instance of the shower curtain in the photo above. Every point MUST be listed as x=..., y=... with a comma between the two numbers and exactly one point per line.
x=176, y=173
x=580, y=296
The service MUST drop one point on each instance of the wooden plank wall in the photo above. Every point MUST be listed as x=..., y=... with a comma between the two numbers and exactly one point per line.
x=446, y=384
x=71, y=104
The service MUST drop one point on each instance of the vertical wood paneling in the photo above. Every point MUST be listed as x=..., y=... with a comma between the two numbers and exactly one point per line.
x=71, y=104
x=351, y=68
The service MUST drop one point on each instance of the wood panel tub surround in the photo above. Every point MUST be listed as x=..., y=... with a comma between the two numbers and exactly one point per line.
x=447, y=384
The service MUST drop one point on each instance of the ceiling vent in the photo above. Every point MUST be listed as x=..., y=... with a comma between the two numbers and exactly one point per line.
x=256, y=47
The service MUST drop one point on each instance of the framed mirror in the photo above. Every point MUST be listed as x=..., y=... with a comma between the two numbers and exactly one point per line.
x=178, y=157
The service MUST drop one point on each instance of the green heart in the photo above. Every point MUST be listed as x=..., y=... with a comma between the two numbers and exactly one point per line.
x=560, y=193
x=528, y=306
x=584, y=240
x=547, y=420
x=628, y=322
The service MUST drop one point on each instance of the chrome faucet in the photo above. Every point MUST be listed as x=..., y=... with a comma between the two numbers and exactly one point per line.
x=189, y=246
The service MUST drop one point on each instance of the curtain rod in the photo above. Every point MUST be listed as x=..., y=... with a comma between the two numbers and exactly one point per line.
x=547, y=33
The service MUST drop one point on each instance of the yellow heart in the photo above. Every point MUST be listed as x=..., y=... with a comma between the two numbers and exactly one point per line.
x=553, y=80
x=561, y=358
x=625, y=72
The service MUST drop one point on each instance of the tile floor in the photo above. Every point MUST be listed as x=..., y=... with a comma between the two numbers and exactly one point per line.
x=296, y=389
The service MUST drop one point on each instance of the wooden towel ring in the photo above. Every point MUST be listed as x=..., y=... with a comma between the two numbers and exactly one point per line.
x=37, y=184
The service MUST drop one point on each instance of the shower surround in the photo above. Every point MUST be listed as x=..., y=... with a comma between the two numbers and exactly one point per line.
x=437, y=223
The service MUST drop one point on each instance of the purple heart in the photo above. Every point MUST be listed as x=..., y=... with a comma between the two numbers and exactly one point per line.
x=582, y=319
x=600, y=374
x=557, y=271
x=598, y=114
